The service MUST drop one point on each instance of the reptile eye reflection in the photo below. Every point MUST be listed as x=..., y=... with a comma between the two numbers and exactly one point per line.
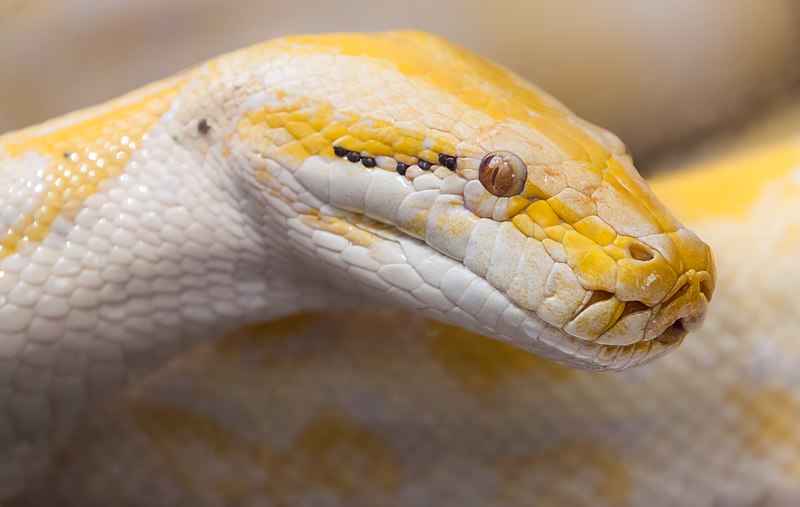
x=502, y=173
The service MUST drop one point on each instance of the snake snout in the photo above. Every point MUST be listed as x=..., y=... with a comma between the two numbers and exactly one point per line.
x=683, y=310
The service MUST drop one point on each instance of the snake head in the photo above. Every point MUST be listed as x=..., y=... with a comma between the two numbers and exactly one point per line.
x=588, y=248
x=458, y=190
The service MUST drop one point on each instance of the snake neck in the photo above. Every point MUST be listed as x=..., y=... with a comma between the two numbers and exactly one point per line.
x=129, y=234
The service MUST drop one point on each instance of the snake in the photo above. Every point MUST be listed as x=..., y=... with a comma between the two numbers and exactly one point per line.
x=323, y=172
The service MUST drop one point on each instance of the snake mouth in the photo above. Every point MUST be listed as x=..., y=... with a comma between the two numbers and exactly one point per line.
x=638, y=333
x=673, y=334
x=607, y=321
x=683, y=310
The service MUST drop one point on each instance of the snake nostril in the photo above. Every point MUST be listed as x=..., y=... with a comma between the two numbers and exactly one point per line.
x=641, y=252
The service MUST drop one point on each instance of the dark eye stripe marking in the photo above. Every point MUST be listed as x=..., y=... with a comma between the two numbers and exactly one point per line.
x=448, y=161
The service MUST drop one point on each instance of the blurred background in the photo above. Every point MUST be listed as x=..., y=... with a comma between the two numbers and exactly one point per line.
x=662, y=75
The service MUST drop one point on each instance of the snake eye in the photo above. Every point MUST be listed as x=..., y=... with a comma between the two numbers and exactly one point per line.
x=502, y=173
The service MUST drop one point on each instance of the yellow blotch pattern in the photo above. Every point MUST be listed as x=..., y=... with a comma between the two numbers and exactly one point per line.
x=286, y=130
x=482, y=366
x=95, y=146
x=490, y=88
x=547, y=478
x=317, y=455
x=358, y=230
x=726, y=188
x=293, y=129
x=313, y=460
x=770, y=422
x=475, y=81
x=592, y=247
x=169, y=429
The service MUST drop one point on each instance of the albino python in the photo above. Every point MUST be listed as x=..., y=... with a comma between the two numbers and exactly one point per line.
x=364, y=170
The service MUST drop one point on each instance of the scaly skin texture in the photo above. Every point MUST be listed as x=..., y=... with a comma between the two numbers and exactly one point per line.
x=366, y=408
x=265, y=183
